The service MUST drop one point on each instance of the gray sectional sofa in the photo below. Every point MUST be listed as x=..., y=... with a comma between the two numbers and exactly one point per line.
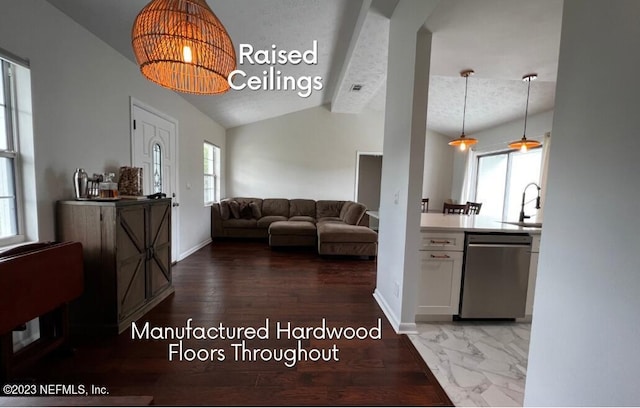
x=335, y=227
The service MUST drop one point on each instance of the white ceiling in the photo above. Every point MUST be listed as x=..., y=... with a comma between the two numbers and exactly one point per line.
x=501, y=40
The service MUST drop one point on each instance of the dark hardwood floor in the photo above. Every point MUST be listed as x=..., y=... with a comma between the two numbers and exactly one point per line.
x=241, y=284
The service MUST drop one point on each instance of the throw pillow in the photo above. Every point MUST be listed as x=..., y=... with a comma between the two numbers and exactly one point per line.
x=224, y=209
x=255, y=210
x=245, y=211
x=328, y=208
x=234, y=207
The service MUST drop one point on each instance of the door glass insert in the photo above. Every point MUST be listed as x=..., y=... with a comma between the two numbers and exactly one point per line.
x=156, y=159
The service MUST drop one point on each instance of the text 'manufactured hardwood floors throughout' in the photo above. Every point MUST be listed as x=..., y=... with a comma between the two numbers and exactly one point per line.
x=241, y=284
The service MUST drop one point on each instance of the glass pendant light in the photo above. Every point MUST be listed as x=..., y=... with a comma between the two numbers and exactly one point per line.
x=524, y=144
x=463, y=141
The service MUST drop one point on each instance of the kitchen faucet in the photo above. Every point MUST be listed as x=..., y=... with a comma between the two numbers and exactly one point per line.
x=524, y=192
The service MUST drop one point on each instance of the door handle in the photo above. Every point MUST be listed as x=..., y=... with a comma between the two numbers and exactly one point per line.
x=175, y=204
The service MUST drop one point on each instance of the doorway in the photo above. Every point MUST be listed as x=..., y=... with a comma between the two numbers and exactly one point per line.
x=154, y=149
x=368, y=179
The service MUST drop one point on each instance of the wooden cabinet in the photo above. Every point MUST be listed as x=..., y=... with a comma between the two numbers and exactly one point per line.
x=440, y=274
x=127, y=258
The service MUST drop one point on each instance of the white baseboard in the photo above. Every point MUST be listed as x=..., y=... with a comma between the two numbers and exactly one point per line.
x=408, y=328
x=194, y=249
x=398, y=326
x=526, y=319
x=425, y=318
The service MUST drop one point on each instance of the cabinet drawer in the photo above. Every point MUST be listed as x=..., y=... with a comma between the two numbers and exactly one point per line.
x=449, y=241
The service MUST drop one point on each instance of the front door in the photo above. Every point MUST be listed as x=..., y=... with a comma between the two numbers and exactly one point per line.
x=153, y=147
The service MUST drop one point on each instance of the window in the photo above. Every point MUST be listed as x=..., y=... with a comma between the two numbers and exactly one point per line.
x=501, y=180
x=10, y=230
x=156, y=163
x=211, y=173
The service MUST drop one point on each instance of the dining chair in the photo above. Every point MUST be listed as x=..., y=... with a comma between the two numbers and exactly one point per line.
x=473, y=208
x=448, y=208
x=425, y=205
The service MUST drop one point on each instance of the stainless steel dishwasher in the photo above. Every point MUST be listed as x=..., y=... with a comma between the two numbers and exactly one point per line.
x=495, y=276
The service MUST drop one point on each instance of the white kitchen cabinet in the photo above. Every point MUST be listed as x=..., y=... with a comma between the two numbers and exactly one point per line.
x=533, y=272
x=440, y=277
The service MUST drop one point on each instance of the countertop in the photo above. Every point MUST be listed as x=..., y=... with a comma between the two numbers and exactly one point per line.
x=476, y=223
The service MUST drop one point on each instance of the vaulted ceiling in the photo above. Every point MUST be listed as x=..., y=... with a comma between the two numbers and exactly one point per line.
x=501, y=40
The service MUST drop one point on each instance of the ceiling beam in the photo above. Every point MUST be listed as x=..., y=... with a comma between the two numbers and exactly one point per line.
x=362, y=15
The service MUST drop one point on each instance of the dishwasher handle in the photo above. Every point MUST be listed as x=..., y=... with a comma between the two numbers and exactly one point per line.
x=501, y=245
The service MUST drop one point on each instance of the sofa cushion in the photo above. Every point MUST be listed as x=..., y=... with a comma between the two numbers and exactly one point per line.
x=225, y=213
x=298, y=228
x=330, y=219
x=345, y=208
x=334, y=232
x=234, y=208
x=240, y=223
x=256, y=212
x=275, y=206
x=328, y=208
x=302, y=218
x=264, y=222
x=301, y=207
x=354, y=213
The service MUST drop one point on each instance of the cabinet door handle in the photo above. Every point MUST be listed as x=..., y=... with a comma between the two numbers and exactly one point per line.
x=440, y=256
x=434, y=241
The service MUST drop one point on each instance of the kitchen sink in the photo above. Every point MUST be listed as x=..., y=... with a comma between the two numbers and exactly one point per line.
x=524, y=224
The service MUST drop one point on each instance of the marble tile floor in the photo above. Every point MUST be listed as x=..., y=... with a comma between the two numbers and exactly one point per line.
x=477, y=363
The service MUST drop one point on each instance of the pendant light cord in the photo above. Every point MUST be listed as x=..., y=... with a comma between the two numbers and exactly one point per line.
x=464, y=109
x=526, y=109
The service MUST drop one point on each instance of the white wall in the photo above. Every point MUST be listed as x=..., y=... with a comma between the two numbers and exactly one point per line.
x=438, y=170
x=497, y=138
x=584, y=338
x=81, y=113
x=306, y=154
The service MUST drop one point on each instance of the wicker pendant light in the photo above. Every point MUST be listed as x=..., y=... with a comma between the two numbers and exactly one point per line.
x=524, y=144
x=463, y=141
x=181, y=45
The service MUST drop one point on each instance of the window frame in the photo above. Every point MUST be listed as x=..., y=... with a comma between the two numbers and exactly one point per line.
x=215, y=174
x=12, y=151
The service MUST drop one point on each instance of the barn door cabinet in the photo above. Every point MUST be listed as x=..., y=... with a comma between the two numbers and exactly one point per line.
x=127, y=259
